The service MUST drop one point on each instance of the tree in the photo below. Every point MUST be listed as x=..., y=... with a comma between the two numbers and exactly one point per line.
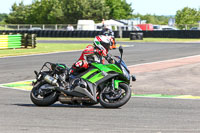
x=119, y=9
x=3, y=16
x=84, y=9
x=39, y=12
x=68, y=11
x=96, y=10
x=153, y=19
x=18, y=14
x=45, y=12
x=187, y=16
x=56, y=14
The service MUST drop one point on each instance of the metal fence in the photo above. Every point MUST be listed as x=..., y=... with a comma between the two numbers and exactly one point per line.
x=67, y=30
x=72, y=27
x=34, y=27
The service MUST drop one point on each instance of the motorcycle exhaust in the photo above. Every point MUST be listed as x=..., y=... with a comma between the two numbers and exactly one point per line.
x=69, y=99
x=67, y=92
x=51, y=80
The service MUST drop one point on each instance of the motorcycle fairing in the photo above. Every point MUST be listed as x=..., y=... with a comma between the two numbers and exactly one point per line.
x=108, y=67
x=116, y=83
x=90, y=91
x=95, y=75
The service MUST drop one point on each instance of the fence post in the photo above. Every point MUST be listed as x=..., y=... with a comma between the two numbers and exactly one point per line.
x=56, y=27
x=186, y=27
x=120, y=32
x=199, y=24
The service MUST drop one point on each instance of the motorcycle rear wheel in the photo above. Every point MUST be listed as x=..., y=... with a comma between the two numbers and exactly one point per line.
x=123, y=99
x=46, y=100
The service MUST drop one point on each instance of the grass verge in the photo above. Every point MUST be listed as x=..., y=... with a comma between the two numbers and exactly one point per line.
x=42, y=48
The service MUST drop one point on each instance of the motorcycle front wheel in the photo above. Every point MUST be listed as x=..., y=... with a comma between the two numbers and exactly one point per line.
x=116, y=99
x=41, y=96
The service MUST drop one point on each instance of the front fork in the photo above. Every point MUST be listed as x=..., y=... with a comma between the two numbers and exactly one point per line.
x=113, y=92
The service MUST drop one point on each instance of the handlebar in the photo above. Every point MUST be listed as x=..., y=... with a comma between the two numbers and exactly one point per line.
x=109, y=59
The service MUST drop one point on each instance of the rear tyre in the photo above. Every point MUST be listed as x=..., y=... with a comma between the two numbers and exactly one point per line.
x=120, y=100
x=41, y=96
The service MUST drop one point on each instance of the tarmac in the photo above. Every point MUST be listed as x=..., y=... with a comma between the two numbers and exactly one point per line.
x=171, y=77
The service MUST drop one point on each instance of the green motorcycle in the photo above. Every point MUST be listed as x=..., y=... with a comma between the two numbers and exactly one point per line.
x=105, y=84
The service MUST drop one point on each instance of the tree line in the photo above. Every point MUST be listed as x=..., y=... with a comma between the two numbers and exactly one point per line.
x=3, y=17
x=189, y=16
x=70, y=11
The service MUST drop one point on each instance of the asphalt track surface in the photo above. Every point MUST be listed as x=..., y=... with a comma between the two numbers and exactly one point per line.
x=18, y=114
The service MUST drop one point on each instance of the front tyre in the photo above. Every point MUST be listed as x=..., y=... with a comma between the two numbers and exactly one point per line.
x=41, y=96
x=115, y=99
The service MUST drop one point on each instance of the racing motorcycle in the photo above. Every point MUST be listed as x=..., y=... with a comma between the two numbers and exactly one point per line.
x=107, y=84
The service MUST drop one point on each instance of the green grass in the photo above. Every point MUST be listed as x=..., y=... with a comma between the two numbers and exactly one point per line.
x=42, y=48
x=127, y=39
x=47, y=48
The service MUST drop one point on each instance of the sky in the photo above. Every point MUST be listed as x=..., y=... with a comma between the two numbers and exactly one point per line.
x=157, y=7
x=162, y=7
x=5, y=5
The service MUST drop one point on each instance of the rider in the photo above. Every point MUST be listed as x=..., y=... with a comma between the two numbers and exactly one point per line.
x=93, y=54
x=109, y=33
x=107, y=30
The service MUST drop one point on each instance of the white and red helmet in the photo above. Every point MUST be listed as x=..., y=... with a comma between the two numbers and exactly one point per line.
x=102, y=42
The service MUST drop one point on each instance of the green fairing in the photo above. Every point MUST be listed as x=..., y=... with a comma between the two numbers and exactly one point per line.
x=61, y=66
x=108, y=67
x=96, y=77
x=116, y=82
x=99, y=75
x=89, y=73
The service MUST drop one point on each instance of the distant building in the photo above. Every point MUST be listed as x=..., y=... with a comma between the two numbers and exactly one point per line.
x=111, y=24
x=171, y=22
x=131, y=23
x=85, y=25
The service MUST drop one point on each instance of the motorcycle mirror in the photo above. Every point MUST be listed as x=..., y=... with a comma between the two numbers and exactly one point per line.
x=121, y=52
x=36, y=73
x=121, y=49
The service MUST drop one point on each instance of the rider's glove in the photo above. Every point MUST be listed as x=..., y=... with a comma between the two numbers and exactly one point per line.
x=110, y=60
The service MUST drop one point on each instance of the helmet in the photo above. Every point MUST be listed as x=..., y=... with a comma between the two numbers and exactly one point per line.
x=102, y=42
